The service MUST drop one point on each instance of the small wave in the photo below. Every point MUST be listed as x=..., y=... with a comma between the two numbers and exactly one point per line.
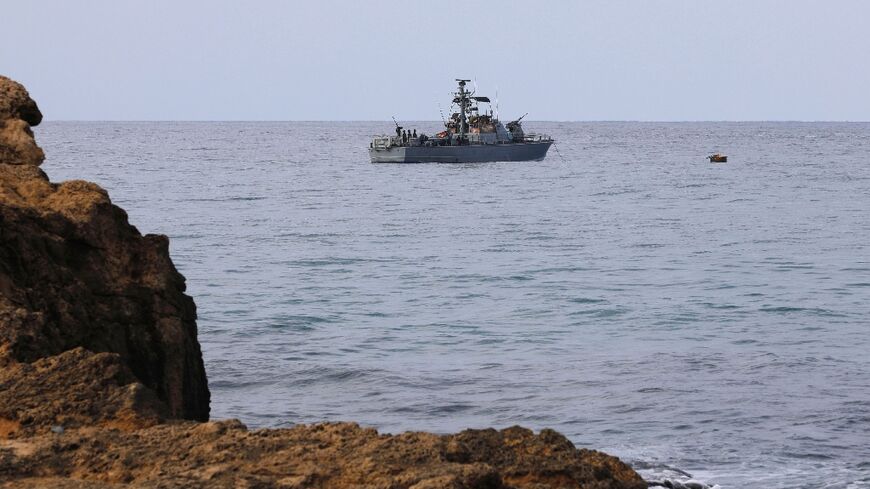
x=600, y=313
x=376, y=314
x=746, y=341
x=450, y=408
x=661, y=475
x=721, y=306
x=321, y=375
x=691, y=185
x=808, y=456
x=231, y=384
x=227, y=199
x=810, y=310
x=641, y=465
x=614, y=193
x=678, y=484
x=585, y=300
x=520, y=278
x=561, y=269
x=327, y=262
x=782, y=309
x=300, y=322
x=629, y=409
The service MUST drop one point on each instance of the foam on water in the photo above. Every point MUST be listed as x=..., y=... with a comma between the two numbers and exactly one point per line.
x=701, y=321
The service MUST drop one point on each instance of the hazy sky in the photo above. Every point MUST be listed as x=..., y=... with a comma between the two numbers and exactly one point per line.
x=368, y=60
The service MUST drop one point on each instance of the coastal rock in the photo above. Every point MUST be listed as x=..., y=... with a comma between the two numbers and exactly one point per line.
x=74, y=273
x=17, y=113
x=17, y=146
x=15, y=102
x=326, y=456
x=544, y=460
x=73, y=389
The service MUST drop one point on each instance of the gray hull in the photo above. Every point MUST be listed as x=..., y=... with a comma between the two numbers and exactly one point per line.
x=461, y=154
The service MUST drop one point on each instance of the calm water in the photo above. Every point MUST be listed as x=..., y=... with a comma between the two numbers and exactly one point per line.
x=708, y=318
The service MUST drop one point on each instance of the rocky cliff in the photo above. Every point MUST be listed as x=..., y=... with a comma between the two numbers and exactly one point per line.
x=102, y=380
x=75, y=274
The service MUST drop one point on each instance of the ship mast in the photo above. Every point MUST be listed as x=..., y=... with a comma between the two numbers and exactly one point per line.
x=463, y=105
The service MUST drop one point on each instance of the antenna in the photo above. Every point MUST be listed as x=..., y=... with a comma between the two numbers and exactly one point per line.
x=496, y=101
x=442, y=114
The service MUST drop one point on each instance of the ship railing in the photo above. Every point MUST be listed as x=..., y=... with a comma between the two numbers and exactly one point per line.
x=383, y=142
x=536, y=138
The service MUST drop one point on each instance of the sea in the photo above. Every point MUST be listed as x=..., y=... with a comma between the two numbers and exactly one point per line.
x=704, y=322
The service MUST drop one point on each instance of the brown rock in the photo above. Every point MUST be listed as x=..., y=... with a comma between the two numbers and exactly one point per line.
x=17, y=113
x=17, y=146
x=547, y=459
x=15, y=103
x=337, y=455
x=74, y=273
x=75, y=388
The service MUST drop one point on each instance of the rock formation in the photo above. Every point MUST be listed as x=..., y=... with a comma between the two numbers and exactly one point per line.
x=325, y=456
x=15, y=103
x=17, y=113
x=102, y=379
x=74, y=273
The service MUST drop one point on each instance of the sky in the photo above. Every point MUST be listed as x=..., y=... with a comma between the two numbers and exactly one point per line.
x=664, y=60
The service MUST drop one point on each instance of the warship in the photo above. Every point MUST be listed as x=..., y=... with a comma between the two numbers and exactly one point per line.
x=471, y=135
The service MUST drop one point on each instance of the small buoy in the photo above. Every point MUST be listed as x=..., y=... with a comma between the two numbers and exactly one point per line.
x=717, y=158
